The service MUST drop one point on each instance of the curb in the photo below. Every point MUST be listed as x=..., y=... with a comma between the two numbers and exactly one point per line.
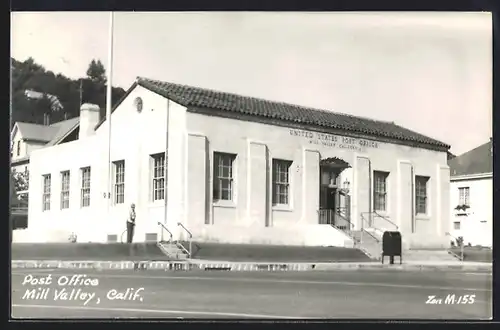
x=234, y=266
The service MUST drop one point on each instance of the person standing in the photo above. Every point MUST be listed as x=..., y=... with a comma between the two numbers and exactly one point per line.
x=131, y=224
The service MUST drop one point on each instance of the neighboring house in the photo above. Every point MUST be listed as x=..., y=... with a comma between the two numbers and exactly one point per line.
x=237, y=169
x=27, y=137
x=55, y=104
x=471, y=195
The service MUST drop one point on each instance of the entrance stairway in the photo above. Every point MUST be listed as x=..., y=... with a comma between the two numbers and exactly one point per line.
x=428, y=255
x=174, y=250
x=369, y=240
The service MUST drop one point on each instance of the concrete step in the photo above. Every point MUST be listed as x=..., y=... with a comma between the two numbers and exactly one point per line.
x=358, y=236
x=428, y=255
x=172, y=250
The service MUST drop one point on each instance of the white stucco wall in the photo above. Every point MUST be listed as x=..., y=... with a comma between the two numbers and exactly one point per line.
x=20, y=163
x=17, y=138
x=192, y=139
x=241, y=138
x=135, y=136
x=476, y=227
x=32, y=146
x=26, y=147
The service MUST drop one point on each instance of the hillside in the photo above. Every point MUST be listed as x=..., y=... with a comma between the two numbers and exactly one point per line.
x=33, y=80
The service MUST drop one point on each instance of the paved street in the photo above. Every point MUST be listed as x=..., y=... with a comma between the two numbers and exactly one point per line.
x=342, y=294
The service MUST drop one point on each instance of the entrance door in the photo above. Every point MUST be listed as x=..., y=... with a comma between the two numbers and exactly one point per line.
x=328, y=205
x=331, y=198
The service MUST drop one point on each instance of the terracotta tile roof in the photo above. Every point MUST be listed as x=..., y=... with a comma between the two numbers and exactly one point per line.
x=476, y=161
x=192, y=97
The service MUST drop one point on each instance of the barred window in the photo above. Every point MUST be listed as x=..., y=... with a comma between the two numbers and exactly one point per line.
x=85, y=187
x=46, y=192
x=281, y=181
x=158, y=176
x=119, y=182
x=65, y=184
x=380, y=190
x=223, y=176
x=463, y=196
x=421, y=194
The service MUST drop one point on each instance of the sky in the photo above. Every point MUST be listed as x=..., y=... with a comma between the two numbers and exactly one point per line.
x=429, y=72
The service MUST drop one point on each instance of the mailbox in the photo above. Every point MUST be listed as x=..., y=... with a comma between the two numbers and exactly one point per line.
x=392, y=246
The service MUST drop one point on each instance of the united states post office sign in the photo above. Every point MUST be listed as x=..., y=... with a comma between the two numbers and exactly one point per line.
x=334, y=141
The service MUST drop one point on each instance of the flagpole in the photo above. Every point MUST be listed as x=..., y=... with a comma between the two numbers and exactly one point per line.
x=108, y=108
x=81, y=92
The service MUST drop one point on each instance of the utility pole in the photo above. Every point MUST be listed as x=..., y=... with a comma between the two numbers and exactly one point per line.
x=108, y=110
x=81, y=92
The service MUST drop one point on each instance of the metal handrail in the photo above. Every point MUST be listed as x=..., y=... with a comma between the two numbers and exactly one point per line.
x=380, y=216
x=190, y=237
x=363, y=218
x=334, y=212
x=180, y=246
x=461, y=257
x=344, y=218
x=386, y=219
x=171, y=236
x=364, y=230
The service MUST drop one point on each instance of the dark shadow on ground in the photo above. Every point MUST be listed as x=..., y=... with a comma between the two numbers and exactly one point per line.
x=87, y=251
x=258, y=252
x=477, y=254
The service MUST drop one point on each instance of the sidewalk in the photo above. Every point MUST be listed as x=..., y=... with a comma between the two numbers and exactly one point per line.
x=205, y=265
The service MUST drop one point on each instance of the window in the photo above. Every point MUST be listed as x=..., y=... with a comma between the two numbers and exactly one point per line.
x=65, y=190
x=380, y=190
x=158, y=176
x=119, y=182
x=456, y=225
x=223, y=176
x=281, y=181
x=18, y=148
x=421, y=194
x=463, y=196
x=46, y=192
x=85, y=187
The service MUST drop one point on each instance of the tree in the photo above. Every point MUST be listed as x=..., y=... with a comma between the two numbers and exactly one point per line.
x=29, y=75
x=20, y=181
x=96, y=72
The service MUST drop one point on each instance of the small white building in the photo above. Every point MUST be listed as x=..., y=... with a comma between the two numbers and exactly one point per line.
x=471, y=195
x=27, y=137
x=239, y=170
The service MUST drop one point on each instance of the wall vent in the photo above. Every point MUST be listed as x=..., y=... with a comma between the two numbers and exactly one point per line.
x=151, y=237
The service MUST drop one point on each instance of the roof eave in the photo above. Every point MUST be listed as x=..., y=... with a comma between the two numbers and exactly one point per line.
x=127, y=93
x=15, y=129
x=438, y=145
x=472, y=176
x=321, y=129
x=36, y=140
x=71, y=130
x=20, y=161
